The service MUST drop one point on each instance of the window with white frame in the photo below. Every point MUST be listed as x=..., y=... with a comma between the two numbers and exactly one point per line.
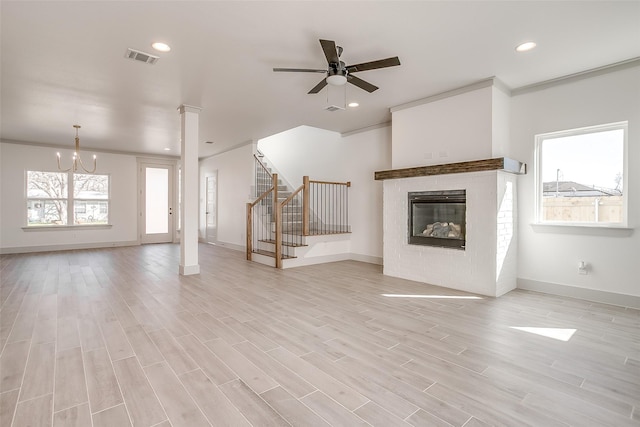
x=67, y=198
x=581, y=177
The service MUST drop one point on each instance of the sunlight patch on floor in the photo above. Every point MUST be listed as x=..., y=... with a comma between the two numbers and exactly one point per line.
x=555, y=333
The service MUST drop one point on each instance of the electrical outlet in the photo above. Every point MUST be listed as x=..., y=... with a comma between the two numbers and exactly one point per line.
x=583, y=267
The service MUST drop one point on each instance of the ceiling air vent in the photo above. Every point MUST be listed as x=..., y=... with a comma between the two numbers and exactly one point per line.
x=333, y=108
x=137, y=55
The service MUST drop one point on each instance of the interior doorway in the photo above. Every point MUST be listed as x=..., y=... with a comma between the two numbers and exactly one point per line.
x=211, y=212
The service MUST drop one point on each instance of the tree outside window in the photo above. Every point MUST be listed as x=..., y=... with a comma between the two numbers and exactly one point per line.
x=47, y=194
x=92, y=193
x=54, y=197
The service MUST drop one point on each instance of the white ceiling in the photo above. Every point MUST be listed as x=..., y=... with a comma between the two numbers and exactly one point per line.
x=63, y=62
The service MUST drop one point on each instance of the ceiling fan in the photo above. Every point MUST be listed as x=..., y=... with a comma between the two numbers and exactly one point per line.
x=338, y=73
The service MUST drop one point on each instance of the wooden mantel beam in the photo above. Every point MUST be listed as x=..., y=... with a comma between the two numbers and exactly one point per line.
x=501, y=163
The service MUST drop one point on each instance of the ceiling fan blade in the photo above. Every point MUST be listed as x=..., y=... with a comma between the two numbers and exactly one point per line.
x=317, y=88
x=382, y=63
x=330, y=51
x=361, y=83
x=298, y=70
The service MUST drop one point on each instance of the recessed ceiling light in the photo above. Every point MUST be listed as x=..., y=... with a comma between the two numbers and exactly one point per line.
x=208, y=142
x=167, y=149
x=525, y=46
x=353, y=104
x=161, y=47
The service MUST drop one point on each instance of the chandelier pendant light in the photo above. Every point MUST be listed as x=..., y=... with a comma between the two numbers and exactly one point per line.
x=77, y=160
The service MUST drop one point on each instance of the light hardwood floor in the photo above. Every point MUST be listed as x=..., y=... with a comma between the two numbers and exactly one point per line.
x=116, y=337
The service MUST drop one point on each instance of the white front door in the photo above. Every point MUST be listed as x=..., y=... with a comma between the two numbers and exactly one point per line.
x=211, y=208
x=157, y=216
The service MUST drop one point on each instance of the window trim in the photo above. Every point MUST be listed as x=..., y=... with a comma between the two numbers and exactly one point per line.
x=66, y=227
x=540, y=138
x=70, y=200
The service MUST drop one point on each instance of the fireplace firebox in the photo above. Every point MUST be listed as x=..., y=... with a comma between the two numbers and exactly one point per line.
x=438, y=218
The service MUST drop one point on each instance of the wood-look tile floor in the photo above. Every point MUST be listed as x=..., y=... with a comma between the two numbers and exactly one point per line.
x=116, y=337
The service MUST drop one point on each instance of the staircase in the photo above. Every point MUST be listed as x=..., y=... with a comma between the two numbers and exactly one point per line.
x=284, y=223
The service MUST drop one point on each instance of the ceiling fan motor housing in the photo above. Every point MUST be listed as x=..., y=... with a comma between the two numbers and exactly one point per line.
x=337, y=74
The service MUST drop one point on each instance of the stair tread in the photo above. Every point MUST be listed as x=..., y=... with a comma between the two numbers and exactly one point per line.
x=292, y=245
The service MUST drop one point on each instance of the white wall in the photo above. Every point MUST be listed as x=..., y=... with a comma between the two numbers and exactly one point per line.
x=550, y=255
x=454, y=129
x=500, y=118
x=326, y=155
x=235, y=177
x=16, y=159
x=367, y=152
x=306, y=150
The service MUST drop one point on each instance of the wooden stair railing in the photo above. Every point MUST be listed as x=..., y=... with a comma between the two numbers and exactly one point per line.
x=263, y=178
x=326, y=207
x=290, y=224
x=266, y=215
x=314, y=208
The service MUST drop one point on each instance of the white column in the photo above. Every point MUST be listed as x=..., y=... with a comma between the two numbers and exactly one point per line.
x=189, y=227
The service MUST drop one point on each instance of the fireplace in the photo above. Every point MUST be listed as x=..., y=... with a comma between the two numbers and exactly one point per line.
x=485, y=262
x=438, y=218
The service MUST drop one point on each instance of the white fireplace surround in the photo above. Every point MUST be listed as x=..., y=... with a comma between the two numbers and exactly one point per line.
x=488, y=264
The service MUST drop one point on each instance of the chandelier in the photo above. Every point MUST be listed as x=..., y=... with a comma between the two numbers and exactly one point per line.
x=77, y=160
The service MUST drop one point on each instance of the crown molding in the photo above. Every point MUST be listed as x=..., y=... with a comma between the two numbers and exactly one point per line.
x=491, y=81
x=96, y=150
x=366, y=129
x=494, y=81
x=570, y=78
x=185, y=108
x=226, y=150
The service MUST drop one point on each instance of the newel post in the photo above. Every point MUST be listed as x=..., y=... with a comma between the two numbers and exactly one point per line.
x=277, y=213
x=306, y=191
x=249, y=231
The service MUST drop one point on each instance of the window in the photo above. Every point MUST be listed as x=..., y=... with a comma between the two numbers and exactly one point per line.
x=55, y=197
x=580, y=176
x=47, y=194
x=91, y=195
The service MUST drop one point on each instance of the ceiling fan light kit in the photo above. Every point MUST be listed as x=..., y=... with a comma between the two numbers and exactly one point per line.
x=336, y=97
x=338, y=73
x=337, y=80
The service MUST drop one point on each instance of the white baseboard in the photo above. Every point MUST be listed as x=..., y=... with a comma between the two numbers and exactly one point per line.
x=66, y=247
x=227, y=245
x=299, y=262
x=187, y=270
x=366, y=258
x=594, y=295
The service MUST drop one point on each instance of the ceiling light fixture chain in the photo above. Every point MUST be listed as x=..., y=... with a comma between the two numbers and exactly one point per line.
x=77, y=160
